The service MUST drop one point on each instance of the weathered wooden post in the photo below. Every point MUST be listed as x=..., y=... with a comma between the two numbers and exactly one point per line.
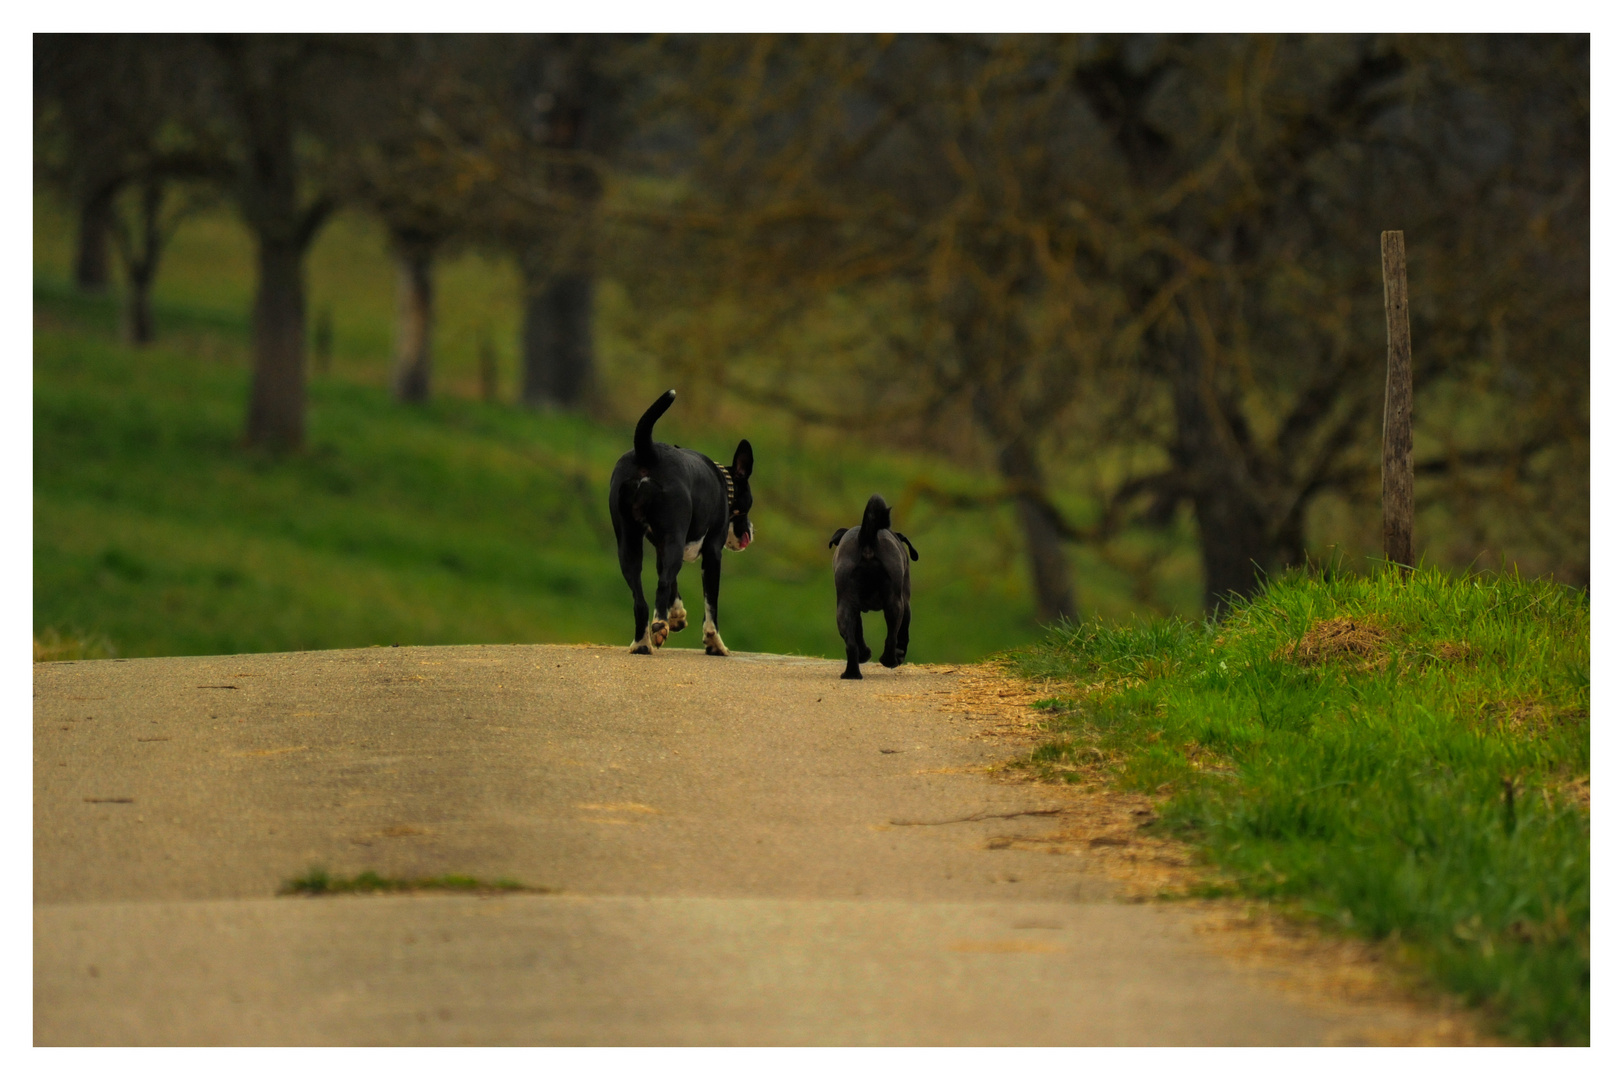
x=1397, y=450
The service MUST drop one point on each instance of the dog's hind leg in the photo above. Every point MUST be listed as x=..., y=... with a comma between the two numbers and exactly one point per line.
x=669, y=555
x=849, y=620
x=893, y=625
x=631, y=568
x=710, y=567
x=901, y=635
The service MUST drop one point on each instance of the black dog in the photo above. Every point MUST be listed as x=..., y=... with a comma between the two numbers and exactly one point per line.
x=689, y=507
x=871, y=574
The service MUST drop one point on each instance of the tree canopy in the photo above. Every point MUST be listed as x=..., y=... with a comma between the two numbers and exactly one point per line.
x=1137, y=277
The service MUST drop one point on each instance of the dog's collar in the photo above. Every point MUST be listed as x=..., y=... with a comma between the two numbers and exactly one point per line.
x=726, y=478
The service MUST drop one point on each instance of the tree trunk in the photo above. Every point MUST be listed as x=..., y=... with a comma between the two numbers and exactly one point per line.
x=259, y=75
x=1233, y=545
x=95, y=233
x=558, y=340
x=141, y=255
x=138, y=328
x=1230, y=515
x=489, y=389
x=276, y=401
x=1045, y=544
x=414, y=324
x=322, y=341
x=1050, y=567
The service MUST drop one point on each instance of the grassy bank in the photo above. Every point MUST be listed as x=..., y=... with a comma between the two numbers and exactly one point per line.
x=157, y=533
x=1406, y=761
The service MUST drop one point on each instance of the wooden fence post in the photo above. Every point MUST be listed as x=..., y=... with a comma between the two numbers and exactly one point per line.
x=1397, y=449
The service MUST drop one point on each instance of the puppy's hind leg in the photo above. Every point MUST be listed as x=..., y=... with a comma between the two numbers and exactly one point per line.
x=849, y=620
x=893, y=625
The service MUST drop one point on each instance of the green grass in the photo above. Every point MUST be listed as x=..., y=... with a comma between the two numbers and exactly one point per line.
x=461, y=522
x=1419, y=792
x=157, y=533
x=317, y=882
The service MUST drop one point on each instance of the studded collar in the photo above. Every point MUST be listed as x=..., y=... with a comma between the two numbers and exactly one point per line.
x=727, y=479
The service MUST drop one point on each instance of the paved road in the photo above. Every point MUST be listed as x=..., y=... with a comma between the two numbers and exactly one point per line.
x=740, y=851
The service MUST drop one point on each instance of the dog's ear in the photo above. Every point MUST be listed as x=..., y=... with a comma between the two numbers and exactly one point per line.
x=911, y=550
x=743, y=459
x=835, y=539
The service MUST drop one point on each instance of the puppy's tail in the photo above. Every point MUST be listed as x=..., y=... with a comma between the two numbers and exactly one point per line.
x=875, y=516
x=642, y=443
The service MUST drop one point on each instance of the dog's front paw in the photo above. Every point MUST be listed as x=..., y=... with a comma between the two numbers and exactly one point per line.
x=852, y=672
x=640, y=648
x=890, y=659
x=713, y=645
x=678, y=617
x=658, y=631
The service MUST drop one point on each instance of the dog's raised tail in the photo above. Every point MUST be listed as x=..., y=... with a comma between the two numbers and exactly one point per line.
x=875, y=516
x=642, y=444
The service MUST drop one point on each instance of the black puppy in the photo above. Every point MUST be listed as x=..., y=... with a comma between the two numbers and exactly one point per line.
x=689, y=507
x=871, y=574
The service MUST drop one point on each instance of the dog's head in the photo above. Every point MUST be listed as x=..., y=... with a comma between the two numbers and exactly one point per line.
x=740, y=532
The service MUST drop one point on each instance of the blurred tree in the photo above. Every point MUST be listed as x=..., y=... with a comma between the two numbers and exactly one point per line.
x=530, y=128
x=107, y=138
x=561, y=97
x=1157, y=253
x=87, y=144
x=140, y=234
x=426, y=195
x=1261, y=172
x=277, y=108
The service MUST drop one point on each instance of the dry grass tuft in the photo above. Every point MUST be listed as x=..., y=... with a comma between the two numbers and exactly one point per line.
x=1110, y=828
x=1454, y=651
x=52, y=644
x=1577, y=791
x=1343, y=639
x=1382, y=1007
x=1526, y=716
x=1002, y=703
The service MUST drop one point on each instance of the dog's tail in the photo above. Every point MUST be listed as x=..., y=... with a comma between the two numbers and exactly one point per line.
x=642, y=444
x=875, y=516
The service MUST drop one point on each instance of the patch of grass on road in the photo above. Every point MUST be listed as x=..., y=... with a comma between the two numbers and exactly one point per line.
x=1403, y=760
x=317, y=882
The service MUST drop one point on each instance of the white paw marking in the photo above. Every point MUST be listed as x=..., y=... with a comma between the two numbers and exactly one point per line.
x=678, y=616
x=712, y=640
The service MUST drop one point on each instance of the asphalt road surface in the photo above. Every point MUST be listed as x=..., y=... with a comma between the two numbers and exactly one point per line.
x=740, y=850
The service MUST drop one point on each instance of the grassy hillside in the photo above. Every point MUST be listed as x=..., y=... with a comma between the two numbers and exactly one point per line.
x=1407, y=761
x=156, y=532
